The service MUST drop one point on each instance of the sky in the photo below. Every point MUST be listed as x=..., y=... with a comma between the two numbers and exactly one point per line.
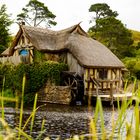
x=71, y=12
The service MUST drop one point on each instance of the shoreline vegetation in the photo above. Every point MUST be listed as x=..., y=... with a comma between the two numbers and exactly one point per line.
x=131, y=128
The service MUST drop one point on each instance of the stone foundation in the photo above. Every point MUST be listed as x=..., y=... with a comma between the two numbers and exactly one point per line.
x=55, y=94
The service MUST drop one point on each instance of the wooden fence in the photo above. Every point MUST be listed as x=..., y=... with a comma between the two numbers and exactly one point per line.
x=12, y=59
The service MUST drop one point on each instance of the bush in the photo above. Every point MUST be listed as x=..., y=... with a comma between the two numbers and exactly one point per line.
x=133, y=65
x=37, y=74
x=8, y=94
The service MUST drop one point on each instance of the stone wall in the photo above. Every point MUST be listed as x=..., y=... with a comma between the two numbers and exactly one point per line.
x=55, y=94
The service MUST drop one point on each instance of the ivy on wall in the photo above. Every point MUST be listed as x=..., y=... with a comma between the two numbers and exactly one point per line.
x=38, y=56
x=37, y=74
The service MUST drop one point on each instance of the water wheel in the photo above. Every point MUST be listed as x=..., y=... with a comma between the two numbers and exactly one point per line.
x=72, y=83
x=73, y=80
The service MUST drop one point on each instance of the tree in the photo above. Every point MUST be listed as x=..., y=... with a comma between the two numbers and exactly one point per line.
x=102, y=10
x=111, y=31
x=5, y=22
x=35, y=13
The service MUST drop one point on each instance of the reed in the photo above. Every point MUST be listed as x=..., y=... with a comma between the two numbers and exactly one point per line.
x=42, y=130
x=34, y=111
x=9, y=134
x=121, y=124
x=21, y=107
x=42, y=125
x=2, y=101
x=131, y=128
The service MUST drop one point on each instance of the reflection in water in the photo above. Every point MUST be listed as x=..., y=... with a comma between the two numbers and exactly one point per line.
x=61, y=120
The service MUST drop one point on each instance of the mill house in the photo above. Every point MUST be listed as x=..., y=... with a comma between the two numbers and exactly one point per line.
x=93, y=69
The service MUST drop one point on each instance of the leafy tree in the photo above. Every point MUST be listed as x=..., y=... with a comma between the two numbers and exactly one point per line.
x=133, y=65
x=102, y=10
x=35, y=13
x=5, y=22
x=111, y=31
x=138, y=46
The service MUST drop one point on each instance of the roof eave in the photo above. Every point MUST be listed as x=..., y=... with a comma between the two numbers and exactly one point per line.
x=15, y=41
x=53, y=51
x=109, y=67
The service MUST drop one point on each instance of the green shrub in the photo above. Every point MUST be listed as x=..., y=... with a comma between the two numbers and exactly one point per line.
x=8, y=94
x=37, y=74
x=133, y=65
x=39, y=56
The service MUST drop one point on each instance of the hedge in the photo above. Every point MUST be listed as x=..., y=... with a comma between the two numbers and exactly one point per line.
x=37, y=74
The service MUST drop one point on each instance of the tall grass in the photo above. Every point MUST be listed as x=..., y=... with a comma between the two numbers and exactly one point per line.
x=34, y=111
x=21, y=107
x=123, y=128
x=10, y=133
x=2, y=101
x=131, y=128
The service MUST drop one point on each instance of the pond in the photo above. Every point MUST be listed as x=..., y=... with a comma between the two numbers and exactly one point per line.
x=62, y=120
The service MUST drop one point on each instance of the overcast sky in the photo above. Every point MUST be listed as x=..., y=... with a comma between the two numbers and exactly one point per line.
x=70, y=12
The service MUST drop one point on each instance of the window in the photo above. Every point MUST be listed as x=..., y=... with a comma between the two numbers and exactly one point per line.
x=24, y=55
x=24, y=52
x=102, y=73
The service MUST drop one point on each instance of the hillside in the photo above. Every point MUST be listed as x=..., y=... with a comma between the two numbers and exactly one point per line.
x=135, y=36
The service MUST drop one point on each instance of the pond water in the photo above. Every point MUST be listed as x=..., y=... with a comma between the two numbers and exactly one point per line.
x=62, y=120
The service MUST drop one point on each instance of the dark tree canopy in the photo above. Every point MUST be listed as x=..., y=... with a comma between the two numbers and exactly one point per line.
x=5, y=22
x=35, y=13
x=111, y=31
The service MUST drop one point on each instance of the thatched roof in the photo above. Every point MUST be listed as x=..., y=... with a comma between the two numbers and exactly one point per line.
x=48, y=40
x=91, y=53
x=88, y=52
x=6, y=52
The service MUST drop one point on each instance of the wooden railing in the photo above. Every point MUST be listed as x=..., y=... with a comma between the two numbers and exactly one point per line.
x=105, y=87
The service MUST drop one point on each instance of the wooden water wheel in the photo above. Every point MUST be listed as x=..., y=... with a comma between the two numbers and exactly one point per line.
x=73, y=80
